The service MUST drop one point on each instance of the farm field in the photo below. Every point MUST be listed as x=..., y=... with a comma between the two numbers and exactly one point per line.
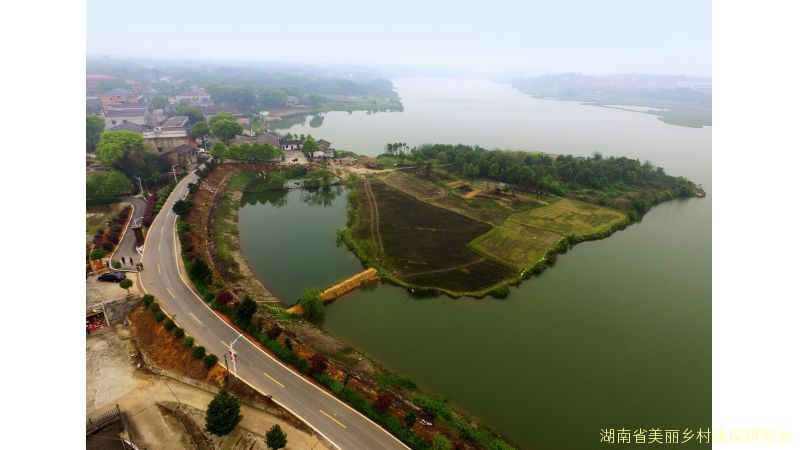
x=514, y=244
x=570, y=217
x=487, y=211
x=428, y=235
x=425, y=245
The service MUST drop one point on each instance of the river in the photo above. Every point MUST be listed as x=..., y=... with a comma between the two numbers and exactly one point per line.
x=616, y=335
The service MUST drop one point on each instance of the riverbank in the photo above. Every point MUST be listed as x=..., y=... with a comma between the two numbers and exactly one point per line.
x=393, y=401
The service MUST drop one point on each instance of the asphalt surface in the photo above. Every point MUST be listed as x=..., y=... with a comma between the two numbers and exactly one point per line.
x=127, y=247
x=161, y=277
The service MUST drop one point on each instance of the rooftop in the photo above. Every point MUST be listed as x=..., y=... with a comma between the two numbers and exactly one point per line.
x=175, y=122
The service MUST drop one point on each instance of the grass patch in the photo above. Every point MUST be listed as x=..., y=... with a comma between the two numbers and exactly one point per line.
x=571, y=217
x=514, y=244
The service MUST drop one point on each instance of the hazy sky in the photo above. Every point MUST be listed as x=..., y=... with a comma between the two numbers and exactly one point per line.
x=591, y=36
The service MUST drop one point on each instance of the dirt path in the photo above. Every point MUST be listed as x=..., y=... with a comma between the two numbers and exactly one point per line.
x=375, y=224
x=446, y=269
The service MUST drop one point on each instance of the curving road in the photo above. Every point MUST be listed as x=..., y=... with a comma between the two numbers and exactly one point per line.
x=344, y=427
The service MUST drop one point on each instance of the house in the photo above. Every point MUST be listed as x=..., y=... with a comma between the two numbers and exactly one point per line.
x=175, y=122
x=181, y=154
x=130, y=126
x=119, y=117
x=291, y=144
x=93, y=81
x=292, y=101
x=268, y=138
x=211, y=110
x=119, y=96
x=325, y=147
x=318, y=154
x=245, y=123
x=161, y=141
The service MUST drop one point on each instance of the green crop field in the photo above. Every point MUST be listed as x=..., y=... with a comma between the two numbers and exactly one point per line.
x=514, y=244
x=570, y=217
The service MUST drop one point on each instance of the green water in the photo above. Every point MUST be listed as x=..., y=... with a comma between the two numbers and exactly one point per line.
x=617, y=334
x=289, y=239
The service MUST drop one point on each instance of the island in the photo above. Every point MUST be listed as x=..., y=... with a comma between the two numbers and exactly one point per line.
x=467, y=221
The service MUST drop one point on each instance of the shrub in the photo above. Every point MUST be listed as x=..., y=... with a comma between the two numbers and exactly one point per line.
x=178, y=333
x=154, y=307
x=274, y=331
x=188, y=341
x=97, y=253
x=318, y=363
x=169, y=324
x=199, y=352
x=245, y=311
x=148, y=299
x=313, y=309
x=116, y=265
x=383, y=401
x=410, y=418
x=288, y=343
x=501, y=292
x=210, y=360
x=200, y=271
x=107, y=246
x=159, y=316
x=440, y=442
x=224, y=297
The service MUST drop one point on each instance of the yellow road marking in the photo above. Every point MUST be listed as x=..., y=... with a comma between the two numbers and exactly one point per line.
x=162, y=229
x=195, y=318
x=170, y=293
x=159, y=246
x=224, y=343
x=273, y=379
x=159, y=268
x=333, y=419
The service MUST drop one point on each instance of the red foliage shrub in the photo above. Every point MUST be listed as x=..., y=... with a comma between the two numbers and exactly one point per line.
x=383, y=401
x=318, y=363
x=224, y=297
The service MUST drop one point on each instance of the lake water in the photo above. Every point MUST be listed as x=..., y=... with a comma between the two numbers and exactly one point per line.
x=616, y=335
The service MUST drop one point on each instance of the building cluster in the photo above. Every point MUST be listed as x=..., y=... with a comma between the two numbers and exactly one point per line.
x=127, y=108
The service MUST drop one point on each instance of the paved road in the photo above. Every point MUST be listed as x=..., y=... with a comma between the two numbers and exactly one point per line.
x=127, y=247
x=340, y=424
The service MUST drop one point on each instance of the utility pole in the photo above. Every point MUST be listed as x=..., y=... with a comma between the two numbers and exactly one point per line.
x=233, y=357
x=175, y=174
x=141, y=189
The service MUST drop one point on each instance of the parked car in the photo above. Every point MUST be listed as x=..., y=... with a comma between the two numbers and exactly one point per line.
x=114, y=277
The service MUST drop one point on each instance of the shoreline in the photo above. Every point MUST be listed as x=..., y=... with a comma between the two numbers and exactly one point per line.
x=361, y=366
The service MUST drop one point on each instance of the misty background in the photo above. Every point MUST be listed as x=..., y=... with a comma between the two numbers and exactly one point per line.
x=501, y=38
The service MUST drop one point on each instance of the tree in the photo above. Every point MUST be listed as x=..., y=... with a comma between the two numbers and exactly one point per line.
x=276, y=438
x=182, y=208
x=315, y=99
x=193, y=114
x=223, y=414
x=126, y=284
x=94, y=127
x=107, y=85
x=123, y=150
x=440, y=442
x=220, y=151
x=158, y=102
x=313, y=309
x=245, y=311
x=199, y=270
x=224, y=297
x=107, y=184
x=200, y=129
x=310, y=145
x=226, y=129
x=97, y=253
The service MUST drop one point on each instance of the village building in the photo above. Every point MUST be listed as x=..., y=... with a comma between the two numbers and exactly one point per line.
x=170, y=134
x=118, y=96
x=292, y=101
x=118, y=117
x=130, y=126
x=291, y=144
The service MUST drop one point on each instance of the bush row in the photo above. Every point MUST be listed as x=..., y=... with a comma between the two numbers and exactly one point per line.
x=209, y=360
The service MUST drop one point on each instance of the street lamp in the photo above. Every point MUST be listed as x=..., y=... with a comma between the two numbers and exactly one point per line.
x=141, y=189
x=232, y=355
